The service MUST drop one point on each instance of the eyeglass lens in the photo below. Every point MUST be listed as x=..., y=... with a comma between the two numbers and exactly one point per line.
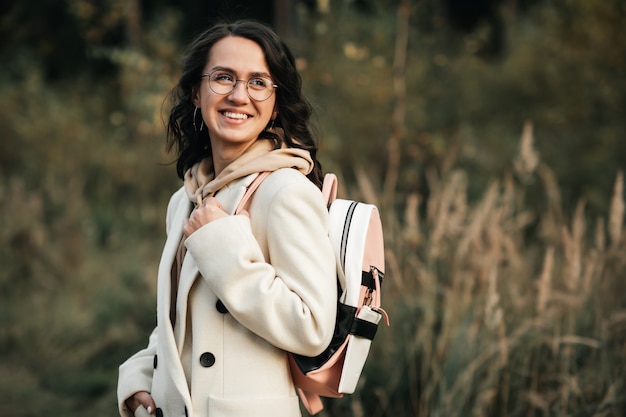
x=258, y=88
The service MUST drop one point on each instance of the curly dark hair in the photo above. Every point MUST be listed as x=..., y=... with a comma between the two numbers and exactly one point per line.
x=294, y=110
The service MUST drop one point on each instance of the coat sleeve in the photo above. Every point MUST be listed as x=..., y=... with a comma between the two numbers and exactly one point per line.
x=136, y=374
x=290, y=298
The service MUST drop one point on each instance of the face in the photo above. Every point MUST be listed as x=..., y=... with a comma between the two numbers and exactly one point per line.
x=234, y=120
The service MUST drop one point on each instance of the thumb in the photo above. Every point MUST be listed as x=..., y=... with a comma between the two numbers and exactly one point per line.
x=145, y=399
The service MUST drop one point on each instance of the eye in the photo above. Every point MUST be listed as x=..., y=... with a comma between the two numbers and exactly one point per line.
x=259, y=83
x=223, y=78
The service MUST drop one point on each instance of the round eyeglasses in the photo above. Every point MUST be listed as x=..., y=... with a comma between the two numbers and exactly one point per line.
x=259, y=88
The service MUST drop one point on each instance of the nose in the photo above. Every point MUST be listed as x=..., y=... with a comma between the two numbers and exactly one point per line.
x=240, y=93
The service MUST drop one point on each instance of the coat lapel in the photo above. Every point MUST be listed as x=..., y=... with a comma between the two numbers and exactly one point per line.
x=229, y=197
x=188, y=275
x=166, y=334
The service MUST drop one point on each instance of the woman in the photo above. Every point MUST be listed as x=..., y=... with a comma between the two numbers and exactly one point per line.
x=236, y=292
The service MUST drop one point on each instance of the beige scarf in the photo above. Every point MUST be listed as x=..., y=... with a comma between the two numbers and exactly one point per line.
x=200, y=179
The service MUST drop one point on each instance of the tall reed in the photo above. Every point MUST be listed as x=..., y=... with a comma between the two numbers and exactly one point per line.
x=498, y=307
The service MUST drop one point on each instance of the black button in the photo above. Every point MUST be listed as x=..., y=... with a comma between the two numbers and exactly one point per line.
x=154, y=362
x=207, y=359
x=221, y=307
x=159, y=412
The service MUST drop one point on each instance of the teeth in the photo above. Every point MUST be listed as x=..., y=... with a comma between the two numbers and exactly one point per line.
x=235, y=115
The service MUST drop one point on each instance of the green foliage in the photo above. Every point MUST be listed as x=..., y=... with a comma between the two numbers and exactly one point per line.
x=505, y=257
x=561, y=67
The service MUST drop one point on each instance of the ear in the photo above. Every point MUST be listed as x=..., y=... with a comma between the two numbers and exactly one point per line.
x=274, y=114
x=196, y=97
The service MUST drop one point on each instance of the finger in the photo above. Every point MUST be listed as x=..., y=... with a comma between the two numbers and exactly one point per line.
x=212, y=201
x=186, y=227
x=245, y=213
x=147, y=402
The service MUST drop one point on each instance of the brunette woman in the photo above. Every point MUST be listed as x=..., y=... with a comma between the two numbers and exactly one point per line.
x=236, y=292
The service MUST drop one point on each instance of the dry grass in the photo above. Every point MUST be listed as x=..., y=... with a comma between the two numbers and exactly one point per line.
x=498, y=309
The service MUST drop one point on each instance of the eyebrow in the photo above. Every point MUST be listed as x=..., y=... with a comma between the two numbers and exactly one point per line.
x=232, y=71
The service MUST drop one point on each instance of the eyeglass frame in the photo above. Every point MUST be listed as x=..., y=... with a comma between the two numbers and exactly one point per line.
x=236, y=80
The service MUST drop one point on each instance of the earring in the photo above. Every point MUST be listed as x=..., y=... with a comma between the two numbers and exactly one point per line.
x=195, y=112
x=271, y=128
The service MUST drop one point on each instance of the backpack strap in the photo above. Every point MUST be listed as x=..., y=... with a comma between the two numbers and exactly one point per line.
x=329, y=188
x=251, y=189
x=312, y=402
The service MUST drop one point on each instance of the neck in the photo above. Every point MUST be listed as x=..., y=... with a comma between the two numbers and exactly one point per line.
x=225, y=155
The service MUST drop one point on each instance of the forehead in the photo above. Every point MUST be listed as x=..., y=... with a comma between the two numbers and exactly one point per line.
x=239, y=54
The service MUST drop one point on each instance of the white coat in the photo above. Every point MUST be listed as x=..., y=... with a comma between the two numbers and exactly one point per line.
x=250, y=290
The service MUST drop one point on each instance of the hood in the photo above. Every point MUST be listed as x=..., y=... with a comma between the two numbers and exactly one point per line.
x=200, y=179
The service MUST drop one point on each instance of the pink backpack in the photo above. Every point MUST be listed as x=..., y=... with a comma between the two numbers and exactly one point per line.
x=357, y=238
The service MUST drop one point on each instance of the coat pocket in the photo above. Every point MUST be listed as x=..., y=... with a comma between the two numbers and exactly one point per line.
x=254, y=407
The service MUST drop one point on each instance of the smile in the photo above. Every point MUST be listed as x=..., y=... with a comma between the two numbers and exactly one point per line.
x=231, y=115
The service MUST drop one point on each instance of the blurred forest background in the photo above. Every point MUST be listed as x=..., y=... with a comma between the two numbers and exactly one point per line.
x=491, y=133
